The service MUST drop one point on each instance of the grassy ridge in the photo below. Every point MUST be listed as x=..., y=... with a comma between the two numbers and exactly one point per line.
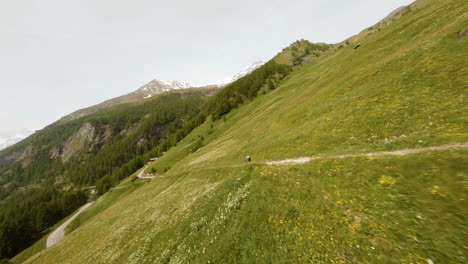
x=404, y=87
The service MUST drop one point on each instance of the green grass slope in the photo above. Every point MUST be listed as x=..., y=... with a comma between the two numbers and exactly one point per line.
x=405, y=87
x=114, y=195
x=46, y=182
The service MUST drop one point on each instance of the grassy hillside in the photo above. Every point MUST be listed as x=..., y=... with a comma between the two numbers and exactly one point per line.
x=404, y=87
x=44, y=178
x=126, y=187
x=316, y=212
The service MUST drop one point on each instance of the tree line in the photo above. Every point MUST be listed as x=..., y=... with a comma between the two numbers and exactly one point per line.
x=26, y=215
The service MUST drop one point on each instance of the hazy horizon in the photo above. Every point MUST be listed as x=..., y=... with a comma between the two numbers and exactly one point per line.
x=61, y=56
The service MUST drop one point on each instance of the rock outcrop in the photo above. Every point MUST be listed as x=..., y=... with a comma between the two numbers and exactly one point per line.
x=78, y=142
x=85, y=139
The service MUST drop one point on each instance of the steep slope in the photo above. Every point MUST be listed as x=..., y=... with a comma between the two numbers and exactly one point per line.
x=403, y=88
x=48, y=175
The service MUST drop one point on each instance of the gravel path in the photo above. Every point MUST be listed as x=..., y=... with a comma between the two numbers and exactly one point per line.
x=143, y=175
x=370, y=154
x=59, y=233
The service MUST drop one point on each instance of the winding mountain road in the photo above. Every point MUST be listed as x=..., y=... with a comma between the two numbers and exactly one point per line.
x=59, y=233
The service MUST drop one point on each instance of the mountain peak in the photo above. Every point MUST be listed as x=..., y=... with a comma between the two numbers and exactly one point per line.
x=152, y=88
x=156, y=86
x=180, y=84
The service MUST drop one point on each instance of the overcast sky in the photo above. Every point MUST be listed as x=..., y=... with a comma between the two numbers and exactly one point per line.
x=57, y=56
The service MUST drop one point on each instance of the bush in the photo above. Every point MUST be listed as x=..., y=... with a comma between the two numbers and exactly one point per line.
x=271, y=85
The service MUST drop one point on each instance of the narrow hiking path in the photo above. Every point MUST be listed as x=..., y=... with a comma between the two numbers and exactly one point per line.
x=302, y=160
x=59, y=233
x=370, y=154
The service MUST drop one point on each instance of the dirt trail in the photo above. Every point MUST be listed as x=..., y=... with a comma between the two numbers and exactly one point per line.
x=370, y=154
x=320, y=157
x=59, y=233
x=121, y=187
x=143, y=175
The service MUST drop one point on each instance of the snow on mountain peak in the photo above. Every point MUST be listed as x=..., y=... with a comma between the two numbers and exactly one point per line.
x=179, y=84
x=247, y=70
x=8, y=138
x=156, y=87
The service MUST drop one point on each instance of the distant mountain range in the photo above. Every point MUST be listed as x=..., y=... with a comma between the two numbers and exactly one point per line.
x=8, y=138
x=155, y=87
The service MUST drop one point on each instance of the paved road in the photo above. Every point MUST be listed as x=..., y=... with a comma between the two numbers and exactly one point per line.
x=59, y=233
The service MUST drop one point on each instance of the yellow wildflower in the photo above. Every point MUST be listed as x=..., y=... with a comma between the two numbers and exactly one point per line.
x=436, y=190
x=387, y=180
